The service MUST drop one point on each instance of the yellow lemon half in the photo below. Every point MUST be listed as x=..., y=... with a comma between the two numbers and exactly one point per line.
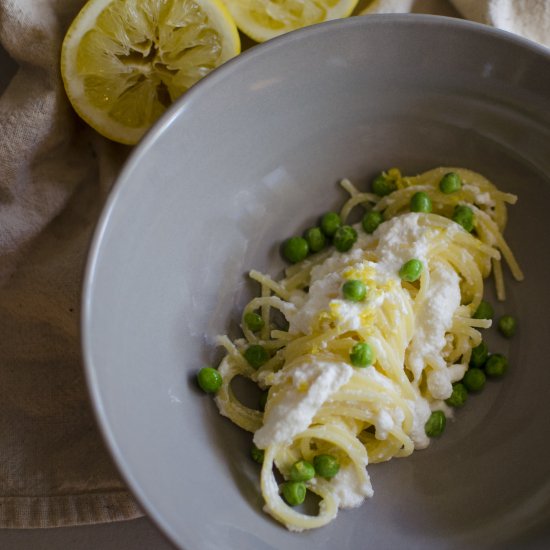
x=265, y=19
x=123, y=62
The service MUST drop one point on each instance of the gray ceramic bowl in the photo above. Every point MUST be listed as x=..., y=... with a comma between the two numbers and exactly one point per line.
x=253, y=154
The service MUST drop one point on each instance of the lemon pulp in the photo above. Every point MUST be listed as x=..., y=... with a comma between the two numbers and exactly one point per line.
x=125, y=61
x=265, y=19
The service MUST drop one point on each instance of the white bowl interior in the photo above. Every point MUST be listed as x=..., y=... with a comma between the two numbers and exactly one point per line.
x=253, y=155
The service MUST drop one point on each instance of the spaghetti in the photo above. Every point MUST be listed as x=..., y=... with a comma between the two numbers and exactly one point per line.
x=419, y=334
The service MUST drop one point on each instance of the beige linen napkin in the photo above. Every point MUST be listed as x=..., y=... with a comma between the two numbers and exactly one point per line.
x=54, y=175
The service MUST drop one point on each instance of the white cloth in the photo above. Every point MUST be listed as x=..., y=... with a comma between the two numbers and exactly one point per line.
x=528, y=18
x=54, y=175
x=434, y=7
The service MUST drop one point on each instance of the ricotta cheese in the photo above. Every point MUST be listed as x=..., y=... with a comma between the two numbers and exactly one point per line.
x=421, y=412
x=298, y=394
x=400, y=239
x=483, y=199
x=348, y=488
x=434, y=318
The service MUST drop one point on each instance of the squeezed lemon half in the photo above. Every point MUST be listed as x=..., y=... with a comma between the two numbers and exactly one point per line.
x=124, y=62
x=265, y=19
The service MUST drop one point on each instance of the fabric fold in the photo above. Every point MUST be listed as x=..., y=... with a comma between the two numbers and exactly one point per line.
x=54, y=176
x=528, y=18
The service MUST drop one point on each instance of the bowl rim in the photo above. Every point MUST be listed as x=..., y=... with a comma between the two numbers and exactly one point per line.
x=134, y=158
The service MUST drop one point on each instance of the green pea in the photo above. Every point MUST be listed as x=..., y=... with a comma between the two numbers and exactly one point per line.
x=479, y=355
x=484, y=311
x=262, y=401
x=253, y=321
x=302, y=471
x=326, y=466
x=354, y=290
x=382, y=185
x=410, y=271
x=450, y=183
x=496, y=365
x=330, y=222
x=421, y=202
x=371, y=220
x=459, y=395
x=507, y=326
x=464, y=216
x=435, y=425
x=256, y=355
x=294, y=492
x=209, y=380
x=315, y=239
x=361, y=355
x=256, y=454
x=344, y=238
x=474, y=380
x=295, y=249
